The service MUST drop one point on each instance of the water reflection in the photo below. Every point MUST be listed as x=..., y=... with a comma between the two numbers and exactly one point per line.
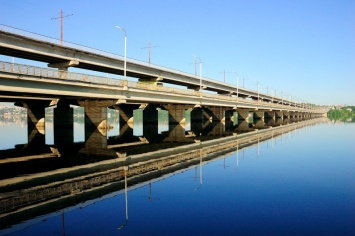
x=34, y=177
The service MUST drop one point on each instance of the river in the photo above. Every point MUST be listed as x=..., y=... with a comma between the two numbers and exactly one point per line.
x=294, y=181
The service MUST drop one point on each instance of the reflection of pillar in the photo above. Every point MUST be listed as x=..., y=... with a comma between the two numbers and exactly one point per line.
x=35, y=120
x=63, y=124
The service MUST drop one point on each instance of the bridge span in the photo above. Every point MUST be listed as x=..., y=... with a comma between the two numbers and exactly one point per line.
x=36, y=88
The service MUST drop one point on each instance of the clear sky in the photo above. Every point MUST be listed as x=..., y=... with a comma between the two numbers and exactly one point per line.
x=304, y=48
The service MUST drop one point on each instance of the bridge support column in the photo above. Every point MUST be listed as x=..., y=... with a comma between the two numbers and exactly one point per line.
x=198, y=114
x=219, y=130
x=231, y=115
x=177, y=113
x=35, y=121
x=243, y=114
x=126, y=112
x=286, y=114
x=279, y=114
x=244, y=126
x=96, y=121
x=63, y=124
x=259, y=114
x=260, y=124
x=270, y=115
x=177, y=134
x=148, y=112
x=217, y=113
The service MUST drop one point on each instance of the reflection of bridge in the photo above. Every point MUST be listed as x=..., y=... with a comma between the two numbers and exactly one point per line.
x=36, y=88
x=47, y=191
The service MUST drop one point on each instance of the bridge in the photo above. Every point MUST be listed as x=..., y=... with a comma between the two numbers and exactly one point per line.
x=36, y=88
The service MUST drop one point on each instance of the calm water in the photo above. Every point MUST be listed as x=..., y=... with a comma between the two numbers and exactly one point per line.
x=299, y=183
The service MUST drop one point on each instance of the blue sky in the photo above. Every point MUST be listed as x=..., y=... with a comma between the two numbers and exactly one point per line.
x=304, y=48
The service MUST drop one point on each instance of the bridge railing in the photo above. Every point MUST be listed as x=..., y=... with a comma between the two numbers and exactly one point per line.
x=50, y=73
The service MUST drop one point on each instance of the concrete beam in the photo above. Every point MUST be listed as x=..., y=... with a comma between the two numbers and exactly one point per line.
x=64, y=65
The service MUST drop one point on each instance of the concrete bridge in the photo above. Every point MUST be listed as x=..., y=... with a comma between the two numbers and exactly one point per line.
x=36, y=88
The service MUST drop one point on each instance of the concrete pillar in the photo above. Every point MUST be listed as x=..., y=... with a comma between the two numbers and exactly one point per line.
x=63, y=124
x=150, y=114
x=96, y=112
x=244, y=126
x=259, y=114
x=260, y=124
x=197, y=115
x=96, y=119
x=270, y=115
x=126, y=112
x=243, y=114
x=219, y=130
x=279, y=114
x=177, y=134
x=231, y=115
x=177, y=113
x=271, y=122
x=95, y=142
x=286, y=114
x=217, y=113
x=35, y=120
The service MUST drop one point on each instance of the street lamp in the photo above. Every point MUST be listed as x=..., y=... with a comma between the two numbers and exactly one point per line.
x=257, y=85
x=125, y=57
x=237, y=84
x=125, y=169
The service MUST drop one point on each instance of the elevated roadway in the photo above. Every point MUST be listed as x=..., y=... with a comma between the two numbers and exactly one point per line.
x=28, y=82
x=67, y=55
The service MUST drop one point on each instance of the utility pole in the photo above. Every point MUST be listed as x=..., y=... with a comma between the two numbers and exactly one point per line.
x=61, y=24
x=149, y=47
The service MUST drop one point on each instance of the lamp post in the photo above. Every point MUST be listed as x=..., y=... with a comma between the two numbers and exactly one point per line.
x=125, y=169
x=257, y=85
x=237, y=84
x=125, y=57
